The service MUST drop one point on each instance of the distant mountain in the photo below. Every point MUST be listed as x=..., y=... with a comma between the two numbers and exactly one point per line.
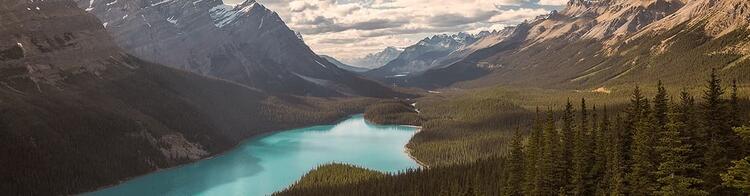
x=376, y=60
x=598, y=43
x=77, y=113
x=245, y=43
x=427, y=54
x=343, y=65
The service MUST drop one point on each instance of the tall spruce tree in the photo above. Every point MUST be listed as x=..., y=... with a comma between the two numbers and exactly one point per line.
x=581, y=153
x=738, y=176
x=598, y=169
x=568, y=139
x=673, y=170
x=634, y=114
x=685, y=115
x=533, y=154
x=641, y=179
x=515, y=181
x=551, y=158
x=616, y=164
x=721, y=142
x=661, y=108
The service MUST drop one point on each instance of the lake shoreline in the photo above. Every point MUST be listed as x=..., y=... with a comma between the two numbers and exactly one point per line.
x=408, y=150
x=217, y=154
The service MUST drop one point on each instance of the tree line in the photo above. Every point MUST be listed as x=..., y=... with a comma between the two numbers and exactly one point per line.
x=661, y=145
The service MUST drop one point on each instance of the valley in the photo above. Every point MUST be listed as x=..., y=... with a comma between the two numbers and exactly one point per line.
x=402, y=97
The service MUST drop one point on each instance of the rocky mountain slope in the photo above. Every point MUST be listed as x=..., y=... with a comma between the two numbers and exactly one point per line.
x=612, y=42
x=344, y=65
x=424, y=55
x=376, y=60
x=245, y=43
x=78, y=113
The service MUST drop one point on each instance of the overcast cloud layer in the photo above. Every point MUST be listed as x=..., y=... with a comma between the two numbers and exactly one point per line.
x=353, y=28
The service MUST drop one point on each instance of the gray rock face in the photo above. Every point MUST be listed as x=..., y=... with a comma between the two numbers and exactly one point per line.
x=49, y=52
x=245, y=43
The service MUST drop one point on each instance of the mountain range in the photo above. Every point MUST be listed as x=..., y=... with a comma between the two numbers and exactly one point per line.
x=376, y=60
x=591, y=44
x=435, y=52
x=244, y=43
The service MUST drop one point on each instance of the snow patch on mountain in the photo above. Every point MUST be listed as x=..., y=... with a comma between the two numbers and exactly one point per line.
x=225, y=14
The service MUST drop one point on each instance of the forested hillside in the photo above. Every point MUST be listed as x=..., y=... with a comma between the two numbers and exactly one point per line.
x=77, y=113
x=689, y=144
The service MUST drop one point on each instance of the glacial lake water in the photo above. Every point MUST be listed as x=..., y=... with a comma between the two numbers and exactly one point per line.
x=263, y=165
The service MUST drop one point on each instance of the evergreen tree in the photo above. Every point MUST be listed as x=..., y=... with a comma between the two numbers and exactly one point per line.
x=551, y=158
x=533, y=152
x=634, y=114
x=568, y=139
x=581, y=153
x=685, y=115
x=661, y=107
x=738, y=176
x=641, y=178
x=673, y=169
x=720, y=149
x=515, y=181
x=616, y=164
x=598, y=169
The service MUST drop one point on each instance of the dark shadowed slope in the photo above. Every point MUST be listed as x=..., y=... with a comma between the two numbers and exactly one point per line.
x=77, y=113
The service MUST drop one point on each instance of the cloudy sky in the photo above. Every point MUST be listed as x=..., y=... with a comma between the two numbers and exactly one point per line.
x=353, y=28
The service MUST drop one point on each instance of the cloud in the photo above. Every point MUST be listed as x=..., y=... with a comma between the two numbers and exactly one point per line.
x=517, y=15
x=553, y=2
x=352, y=28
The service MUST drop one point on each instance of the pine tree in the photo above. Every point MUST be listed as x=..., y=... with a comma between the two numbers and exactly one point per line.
x=515, y=181
x=616, y=164
x=661, y=107
x=720, y=148
x=568, y=139
x=738, y=176
x=551, y=158
x=598, y=169
x=640, y=177
x=673, y=169
x=581, y=153
x=533, y=152
x=634, y=114
x=685, y=115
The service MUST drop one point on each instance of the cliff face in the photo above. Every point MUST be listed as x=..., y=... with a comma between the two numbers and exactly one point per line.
x=245, y=43
x=78, y=113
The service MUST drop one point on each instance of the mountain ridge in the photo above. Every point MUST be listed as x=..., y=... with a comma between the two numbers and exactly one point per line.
x=610, y=42
x=245, y=43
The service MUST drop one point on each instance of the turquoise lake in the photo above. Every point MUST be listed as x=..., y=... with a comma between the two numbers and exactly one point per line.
x=263, y=165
